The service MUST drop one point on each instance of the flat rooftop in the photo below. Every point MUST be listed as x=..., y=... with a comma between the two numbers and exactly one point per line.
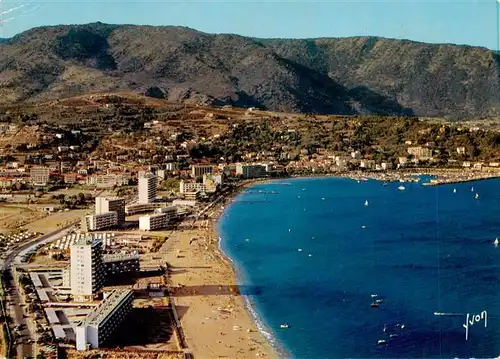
x=106, y=307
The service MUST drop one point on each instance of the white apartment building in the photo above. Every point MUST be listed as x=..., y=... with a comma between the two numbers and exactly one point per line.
x=87, y=271
x=147, y=188
x=135, y=208
x=40, y=175
x=251, y=171
x=191, y=187
x=97, y=222
x=103, y=320
x=154, y=221
x=199, y=170
x=111, y=204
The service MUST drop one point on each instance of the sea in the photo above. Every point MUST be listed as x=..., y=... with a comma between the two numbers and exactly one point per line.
x=313, y=255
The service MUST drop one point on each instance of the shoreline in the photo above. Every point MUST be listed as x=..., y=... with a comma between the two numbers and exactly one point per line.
x=224, y=272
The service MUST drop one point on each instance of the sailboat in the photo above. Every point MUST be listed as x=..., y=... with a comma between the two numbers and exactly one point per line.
x=454, y=190
x=495, y=242
x=472, y=189
x=366, y=203
x=476, y=196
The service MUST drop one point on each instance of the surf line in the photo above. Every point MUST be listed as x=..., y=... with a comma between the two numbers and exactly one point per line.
x=474, y=319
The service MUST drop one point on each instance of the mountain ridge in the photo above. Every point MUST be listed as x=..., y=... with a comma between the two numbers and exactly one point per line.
x=356, y=75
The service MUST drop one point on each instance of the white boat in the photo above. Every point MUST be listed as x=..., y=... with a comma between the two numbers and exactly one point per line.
x=495, y=242
x=393, y=335
x=476, y=196
x=374, y=295
x=472, y=189
x=401, y=188
x=382, y=341
x=284, y=326
x=363, y=227
x=385, y=328
x=300, y=249
x=366, y=203
x=454, y=190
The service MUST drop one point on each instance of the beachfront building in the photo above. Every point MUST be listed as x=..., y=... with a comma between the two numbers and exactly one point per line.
x=251, y=171
x=154, y=221
x=111, y=204
x=212, y=182
x=103, y=320
x=40, y=176
x=97, y=222
x=87, y=271
x=200, y=170
x=186, y=186
x=422, y=153
x=147, y=188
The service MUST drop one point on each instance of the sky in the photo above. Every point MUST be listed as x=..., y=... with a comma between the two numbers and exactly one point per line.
x=459, y=22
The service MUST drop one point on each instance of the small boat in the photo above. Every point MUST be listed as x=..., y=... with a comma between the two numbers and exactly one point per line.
x=375, y=305
x=289, y=230
x=454, y=190
x=402, y=326
x=284, y=326
x=495, y=242
x=374, y=295
x=363, y=227
x=323, y=198
x=379, y=301
x=472, y=189
x=382, y=342
x=401, y=188
x=300, y=249
x=476, y=196
x=393, y=335
x=366, y=203
x=385, y=328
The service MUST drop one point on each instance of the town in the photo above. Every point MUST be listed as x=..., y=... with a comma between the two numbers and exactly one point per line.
x=105, y=197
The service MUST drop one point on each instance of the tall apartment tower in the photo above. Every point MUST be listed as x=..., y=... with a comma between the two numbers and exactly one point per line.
x=87, y=269
x=111, y=204
x=147, y=188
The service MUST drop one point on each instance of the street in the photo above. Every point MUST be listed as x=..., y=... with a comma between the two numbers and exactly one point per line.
x=24, y=339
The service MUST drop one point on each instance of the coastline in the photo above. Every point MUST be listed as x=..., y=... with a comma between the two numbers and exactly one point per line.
x=237, y=330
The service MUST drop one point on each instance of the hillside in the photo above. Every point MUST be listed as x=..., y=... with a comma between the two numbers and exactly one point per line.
x=363, y=75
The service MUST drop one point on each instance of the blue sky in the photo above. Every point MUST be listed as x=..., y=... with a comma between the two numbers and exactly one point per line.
x=461, y=22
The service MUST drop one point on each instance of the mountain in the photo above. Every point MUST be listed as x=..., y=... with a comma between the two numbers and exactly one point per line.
x=359, y=75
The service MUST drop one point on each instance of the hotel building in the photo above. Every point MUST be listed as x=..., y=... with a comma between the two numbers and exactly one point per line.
x=147, y=188
x=111, y=204
x=251, y=171
x=191, y=187
x=100, y=324
x=40, y=175
x=154, y=221
x=97, y=222
x=87, y=270
x=198, y=171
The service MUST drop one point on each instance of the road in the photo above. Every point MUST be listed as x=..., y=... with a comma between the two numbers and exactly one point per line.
x=15, y=303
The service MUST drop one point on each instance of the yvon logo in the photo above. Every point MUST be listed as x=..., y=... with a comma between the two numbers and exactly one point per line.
x=471, y=319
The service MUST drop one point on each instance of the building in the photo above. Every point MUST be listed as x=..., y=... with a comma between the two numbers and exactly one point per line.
x=40, y=176
x=192, y=196
x=420, y=152
x=154, y=221
x=185, y=186
x=87, y=270
x=212, y=182
x=251, y=171
x=103, y=320
x=171, y=166
x=111, y=204
x=199, y=170
x=461, y=150
x=120, y=264
x=97, y=222
x=147, y=188
x=135, y=208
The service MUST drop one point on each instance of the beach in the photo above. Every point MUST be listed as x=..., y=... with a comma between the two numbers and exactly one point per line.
x=213, y=315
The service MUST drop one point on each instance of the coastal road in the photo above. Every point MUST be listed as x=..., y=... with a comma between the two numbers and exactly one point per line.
x=25, y=338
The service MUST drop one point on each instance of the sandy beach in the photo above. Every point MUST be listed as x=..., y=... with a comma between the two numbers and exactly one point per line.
x=213, y=315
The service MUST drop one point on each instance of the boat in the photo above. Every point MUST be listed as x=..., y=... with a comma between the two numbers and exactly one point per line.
x=393, y=335
x=382, y=342
x=402, y=326
x=300, y=249
x=374, y=295
x=284, y=326
x=375, y=305
x=454, y=190
x=366, y=203
x=472, y=189
x=379, y=301
x=476, y=196
x=385, y=328
x=363, y=227
x=401, y=188
x=495, y=242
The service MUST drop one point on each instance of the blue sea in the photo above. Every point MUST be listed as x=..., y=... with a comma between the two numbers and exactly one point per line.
x=309, y=253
